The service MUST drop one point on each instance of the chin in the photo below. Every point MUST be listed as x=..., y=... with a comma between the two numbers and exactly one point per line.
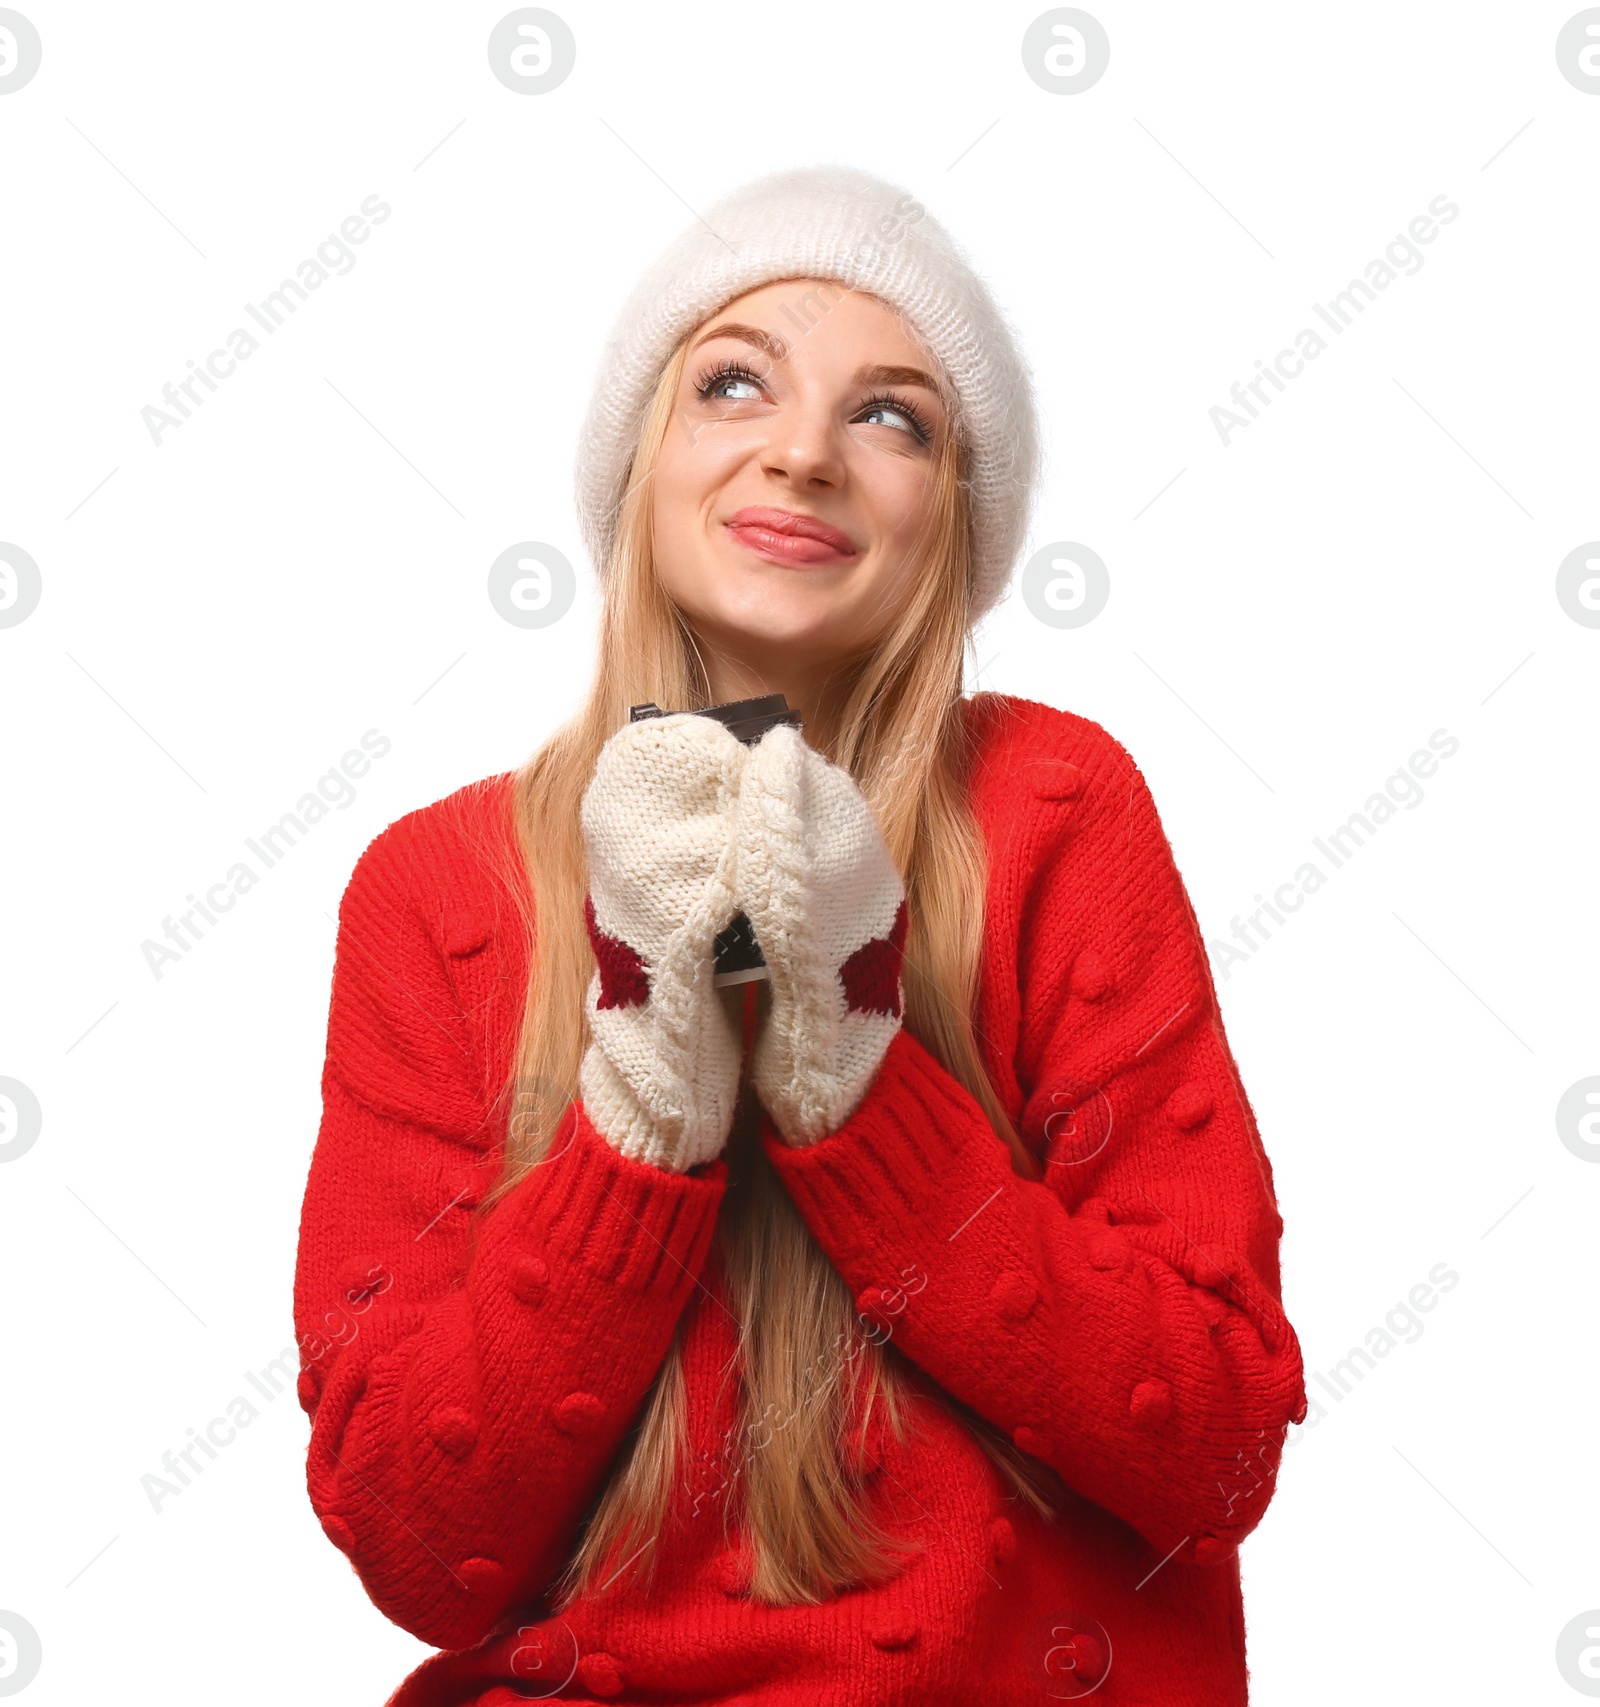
x=801, y=638
x=775, y=617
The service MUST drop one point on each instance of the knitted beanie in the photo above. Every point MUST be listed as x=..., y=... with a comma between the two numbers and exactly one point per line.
x=844, y=224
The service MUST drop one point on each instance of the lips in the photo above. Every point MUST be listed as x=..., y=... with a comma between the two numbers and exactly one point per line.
x=786, y=536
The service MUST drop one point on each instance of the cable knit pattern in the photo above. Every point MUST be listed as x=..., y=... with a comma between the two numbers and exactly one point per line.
x=661, y=1077
x=828, y=908
x=1119, y=1317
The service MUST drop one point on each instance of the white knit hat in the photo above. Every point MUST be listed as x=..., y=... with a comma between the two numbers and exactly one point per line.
x=841, y=223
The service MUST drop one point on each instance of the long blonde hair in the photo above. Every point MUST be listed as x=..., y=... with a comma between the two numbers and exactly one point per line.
x=897, y=725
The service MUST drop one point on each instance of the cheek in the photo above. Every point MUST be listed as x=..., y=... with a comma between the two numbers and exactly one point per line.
x=691, y=470
x=899, y=495
x=694, y=463
x=676, y=470
x=676, y=489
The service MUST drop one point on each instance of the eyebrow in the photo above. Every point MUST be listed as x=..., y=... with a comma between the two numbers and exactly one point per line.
x=775, y=347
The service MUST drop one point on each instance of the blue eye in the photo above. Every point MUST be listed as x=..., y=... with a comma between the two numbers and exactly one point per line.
x=724, y=374
x=884, y=409
x=914, y=422
x=890, y=417
x=901, y=414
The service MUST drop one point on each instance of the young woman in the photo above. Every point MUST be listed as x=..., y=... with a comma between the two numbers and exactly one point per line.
x=903, y=1326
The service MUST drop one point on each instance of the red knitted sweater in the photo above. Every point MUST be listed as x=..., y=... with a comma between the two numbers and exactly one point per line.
x=1119, y=1318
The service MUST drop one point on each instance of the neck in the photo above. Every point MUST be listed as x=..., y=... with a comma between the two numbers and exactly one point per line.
x=810, y=689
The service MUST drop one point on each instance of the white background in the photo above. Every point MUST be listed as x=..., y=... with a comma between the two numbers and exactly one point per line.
x=306, y=559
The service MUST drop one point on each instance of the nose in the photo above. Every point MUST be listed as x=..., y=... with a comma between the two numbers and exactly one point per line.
x=805, y=446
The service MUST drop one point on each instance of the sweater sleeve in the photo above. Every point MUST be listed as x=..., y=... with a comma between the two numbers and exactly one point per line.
x=1120, y=1318
x=469, y=1382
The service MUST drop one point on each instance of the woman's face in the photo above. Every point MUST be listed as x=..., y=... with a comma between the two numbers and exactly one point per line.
x=796, y=475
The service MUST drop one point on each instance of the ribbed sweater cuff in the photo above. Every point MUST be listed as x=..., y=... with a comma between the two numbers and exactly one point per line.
x=914, y=1151
x=627, y=1222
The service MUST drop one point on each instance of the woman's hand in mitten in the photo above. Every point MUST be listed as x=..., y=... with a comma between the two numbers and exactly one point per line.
x=828, y=907
x=660, y=1079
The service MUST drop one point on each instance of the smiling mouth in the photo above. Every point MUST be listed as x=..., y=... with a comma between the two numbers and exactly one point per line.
x=782, y=536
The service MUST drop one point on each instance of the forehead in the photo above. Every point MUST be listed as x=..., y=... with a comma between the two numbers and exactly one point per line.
x=824, y=318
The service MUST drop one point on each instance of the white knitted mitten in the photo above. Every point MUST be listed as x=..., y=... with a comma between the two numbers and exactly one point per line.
x=660, y=1079
x=828, y=908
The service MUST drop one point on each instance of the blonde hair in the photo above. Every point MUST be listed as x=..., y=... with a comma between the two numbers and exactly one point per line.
x=897, y=725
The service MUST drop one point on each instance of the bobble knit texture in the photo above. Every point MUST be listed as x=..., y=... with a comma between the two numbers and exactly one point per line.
x=1119, y=1319
x=843, y=224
